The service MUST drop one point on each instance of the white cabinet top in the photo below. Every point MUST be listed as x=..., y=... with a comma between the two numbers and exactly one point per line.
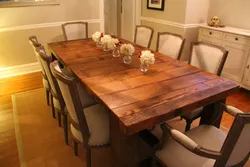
x=228, y=29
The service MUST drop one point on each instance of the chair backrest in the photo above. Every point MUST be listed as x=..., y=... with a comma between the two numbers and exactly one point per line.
x=143, y=36
x=55, y=90
x=170, y=44
x=68, y=86
x=236, y=148
x=34, y=43
x=208, y=57
x=75, y=30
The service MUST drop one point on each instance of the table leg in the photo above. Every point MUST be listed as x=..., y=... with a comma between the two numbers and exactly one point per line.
x=126, y=151
x=212, y=114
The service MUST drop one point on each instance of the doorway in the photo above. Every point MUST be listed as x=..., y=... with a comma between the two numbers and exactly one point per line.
x=121, y=17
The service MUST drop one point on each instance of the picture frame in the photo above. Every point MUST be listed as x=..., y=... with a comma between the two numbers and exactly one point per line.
x=156, y=4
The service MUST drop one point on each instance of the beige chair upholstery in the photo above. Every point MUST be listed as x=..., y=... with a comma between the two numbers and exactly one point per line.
x=45, y=83
x=208, y=57
x=143, y=36
x=96, y=116
x=75, y=30
x=206, y=136
x=89, y=125
x=206, y=145
x=242, y=147
x=34, y=43
x=47, y=70
x=97, y=120
x=58, y=105
x=170, y=44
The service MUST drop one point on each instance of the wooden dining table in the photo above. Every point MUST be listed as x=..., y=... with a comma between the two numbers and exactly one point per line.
x=138, y=101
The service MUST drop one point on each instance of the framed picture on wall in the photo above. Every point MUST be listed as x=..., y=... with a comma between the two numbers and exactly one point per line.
x=156, y=4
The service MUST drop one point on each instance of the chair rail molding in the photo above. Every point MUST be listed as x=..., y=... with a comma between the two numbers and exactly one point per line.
x=169, y=23
x=19, y=70
x=44, y=25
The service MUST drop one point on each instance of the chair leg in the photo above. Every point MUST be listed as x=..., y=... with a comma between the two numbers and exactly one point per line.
x=75, y=148
x=88, y=157
x=65, y=121
x=188, y=126
x=59, y=119
x=53, y=108
x=47, y=97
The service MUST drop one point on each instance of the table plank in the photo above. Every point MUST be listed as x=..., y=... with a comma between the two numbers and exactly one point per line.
x=140, y=100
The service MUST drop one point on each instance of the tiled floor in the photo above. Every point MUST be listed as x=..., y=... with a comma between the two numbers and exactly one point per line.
x=8, y=146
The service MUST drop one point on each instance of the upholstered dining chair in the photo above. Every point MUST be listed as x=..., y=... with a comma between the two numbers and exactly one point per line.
x=206, y=145
x=34, y=43
x=210, y=58
x=143, y=35
x=89, y=123
x=75, y=30
x=170, y=44
x=58, y=105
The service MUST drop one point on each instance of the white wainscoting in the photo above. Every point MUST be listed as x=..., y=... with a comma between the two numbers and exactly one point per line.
x=31, y=67
x=19, y=70
x=44, y=25
x=169, y=23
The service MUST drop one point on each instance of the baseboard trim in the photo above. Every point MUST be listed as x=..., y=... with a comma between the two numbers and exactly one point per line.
x=19, y=70
x=44, y=25
x=169, y=23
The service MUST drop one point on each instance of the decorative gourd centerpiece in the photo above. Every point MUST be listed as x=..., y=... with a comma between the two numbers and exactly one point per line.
x=215, y=22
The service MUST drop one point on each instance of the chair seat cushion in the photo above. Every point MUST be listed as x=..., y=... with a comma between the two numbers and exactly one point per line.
x=98, y=121
x=175, y=155
x=45, y=84
x=192, y=114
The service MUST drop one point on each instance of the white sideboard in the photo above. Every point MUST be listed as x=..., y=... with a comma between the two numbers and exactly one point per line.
x=237, y=42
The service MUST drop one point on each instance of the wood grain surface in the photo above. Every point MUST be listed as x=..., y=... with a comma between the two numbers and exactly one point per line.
x=139, y=100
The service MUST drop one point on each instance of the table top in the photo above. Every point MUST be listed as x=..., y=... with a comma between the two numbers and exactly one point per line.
x=139, y=100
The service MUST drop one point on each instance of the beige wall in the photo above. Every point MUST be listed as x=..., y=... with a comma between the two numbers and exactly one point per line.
x=14, y=47
x=182, y=13
x=234, y=13
x=196, y=11
x=174, y=11
x=67, y=10
x=16, y=50
x=161, y=28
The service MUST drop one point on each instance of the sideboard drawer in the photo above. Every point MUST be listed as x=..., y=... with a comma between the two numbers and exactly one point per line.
x=210, y=40
x=236, y=39
x=211, y=33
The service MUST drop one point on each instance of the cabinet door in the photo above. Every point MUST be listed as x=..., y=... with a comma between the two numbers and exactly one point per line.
x=246, y=77
x=236, y=61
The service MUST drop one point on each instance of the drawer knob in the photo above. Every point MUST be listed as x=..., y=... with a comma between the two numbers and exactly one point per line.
x=210, y=33
x=236, y=39
x=247, y=66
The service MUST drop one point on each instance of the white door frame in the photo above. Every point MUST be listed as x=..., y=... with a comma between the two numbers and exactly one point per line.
x=138, y=12
x=102, y=21
x=137, y=17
